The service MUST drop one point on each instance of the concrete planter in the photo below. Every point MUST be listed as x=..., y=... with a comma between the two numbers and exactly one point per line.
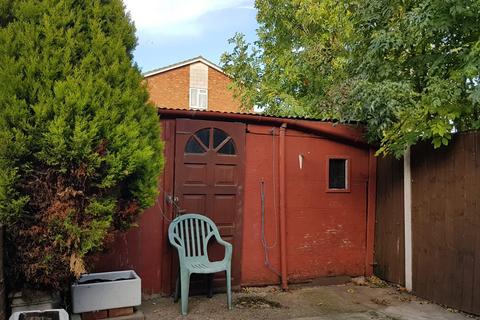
x=106, y=290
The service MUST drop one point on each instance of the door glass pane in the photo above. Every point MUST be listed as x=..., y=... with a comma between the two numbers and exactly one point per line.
x=193, y=146
x=228, y=148
x=204, y=136
x=337, y=169
x=218, y=137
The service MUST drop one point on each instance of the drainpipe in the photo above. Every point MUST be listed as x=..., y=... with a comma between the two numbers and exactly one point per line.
x=283, y=228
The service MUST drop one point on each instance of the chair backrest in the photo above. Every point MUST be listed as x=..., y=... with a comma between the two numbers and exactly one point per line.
x=190, y=233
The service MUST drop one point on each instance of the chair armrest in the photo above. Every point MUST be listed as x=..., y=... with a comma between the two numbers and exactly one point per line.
x=228, y=248
x=180, y=249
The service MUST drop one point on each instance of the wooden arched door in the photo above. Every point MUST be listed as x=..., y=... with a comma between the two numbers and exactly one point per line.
x=209, y=177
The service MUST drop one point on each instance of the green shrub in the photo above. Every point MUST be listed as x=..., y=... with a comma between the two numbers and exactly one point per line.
x=80, y=151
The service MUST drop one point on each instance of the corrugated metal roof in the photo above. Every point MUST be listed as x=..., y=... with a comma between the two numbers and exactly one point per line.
x=347, y=133
x=260, y=115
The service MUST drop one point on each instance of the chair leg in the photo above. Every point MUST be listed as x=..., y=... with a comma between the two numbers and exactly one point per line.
x=185, y=285
x=176, y=295
x=209, y=285
x=229, y=288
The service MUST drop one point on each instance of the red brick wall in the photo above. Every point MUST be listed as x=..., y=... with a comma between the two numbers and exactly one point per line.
x=220, y=98
x=170, y=89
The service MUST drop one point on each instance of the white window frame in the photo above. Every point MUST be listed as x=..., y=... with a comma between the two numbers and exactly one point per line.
x=194, y=99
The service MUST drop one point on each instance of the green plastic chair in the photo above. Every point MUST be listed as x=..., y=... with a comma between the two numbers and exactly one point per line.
x=190, y=234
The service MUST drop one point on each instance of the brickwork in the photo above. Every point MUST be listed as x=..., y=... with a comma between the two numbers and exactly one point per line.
x=106, y=314
x=95, y=315
x=119, y=312
x=220, y=98
x=170, y=89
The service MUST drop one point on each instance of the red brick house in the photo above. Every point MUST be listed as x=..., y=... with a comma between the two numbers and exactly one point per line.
x=196, y=84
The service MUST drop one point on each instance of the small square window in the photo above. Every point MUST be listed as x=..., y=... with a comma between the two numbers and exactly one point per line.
x=338, y=174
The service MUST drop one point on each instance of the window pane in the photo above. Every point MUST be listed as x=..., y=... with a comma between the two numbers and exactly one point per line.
x=193, y=97
x=202, y=99
x=337, y=177
x=228, y=148
x=204, y=136
x=193, y=146
x=218, y=137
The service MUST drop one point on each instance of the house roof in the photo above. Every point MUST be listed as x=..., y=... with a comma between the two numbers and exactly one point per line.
x=181, y=64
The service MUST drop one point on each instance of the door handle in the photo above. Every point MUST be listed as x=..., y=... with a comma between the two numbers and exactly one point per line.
x=172, y=200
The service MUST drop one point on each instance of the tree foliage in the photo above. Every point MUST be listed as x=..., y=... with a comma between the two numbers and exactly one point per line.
x=80, y=153
x=408, y=69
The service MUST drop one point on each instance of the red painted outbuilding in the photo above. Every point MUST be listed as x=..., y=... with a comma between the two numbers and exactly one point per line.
x=295, y=197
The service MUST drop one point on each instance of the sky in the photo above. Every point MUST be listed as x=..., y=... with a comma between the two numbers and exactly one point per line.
x=171, y=31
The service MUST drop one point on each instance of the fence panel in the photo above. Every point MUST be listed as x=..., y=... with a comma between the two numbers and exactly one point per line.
x=446, y=222
x=389, y=232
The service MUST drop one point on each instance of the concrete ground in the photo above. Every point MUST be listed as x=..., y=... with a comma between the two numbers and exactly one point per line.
x=336, y=302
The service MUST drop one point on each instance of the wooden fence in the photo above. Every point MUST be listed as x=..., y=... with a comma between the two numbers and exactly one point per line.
x=445, y=222
x=389, y=232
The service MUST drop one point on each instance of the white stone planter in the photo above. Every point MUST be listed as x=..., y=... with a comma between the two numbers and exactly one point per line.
x=106, y=290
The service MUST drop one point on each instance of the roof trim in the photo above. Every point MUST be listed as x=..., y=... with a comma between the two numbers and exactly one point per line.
x=347, y=134
x=182, y=64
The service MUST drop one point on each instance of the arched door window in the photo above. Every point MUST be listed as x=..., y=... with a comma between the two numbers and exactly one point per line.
x=212, y=139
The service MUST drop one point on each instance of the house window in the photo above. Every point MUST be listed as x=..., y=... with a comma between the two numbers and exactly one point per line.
x=198, y=98
x=199, y=86
x=338, y=174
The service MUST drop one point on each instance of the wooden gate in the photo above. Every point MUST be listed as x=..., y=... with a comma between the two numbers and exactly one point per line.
x=209, y=176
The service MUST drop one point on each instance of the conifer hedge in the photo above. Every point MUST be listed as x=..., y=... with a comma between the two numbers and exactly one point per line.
x=80, y=153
